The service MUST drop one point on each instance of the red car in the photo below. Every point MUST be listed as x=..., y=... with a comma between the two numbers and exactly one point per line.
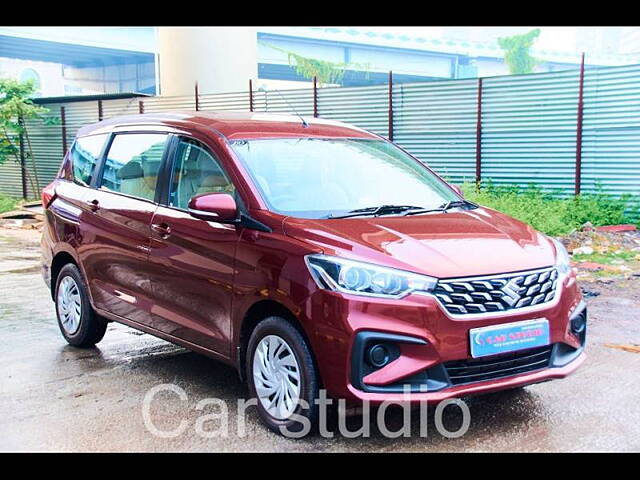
x=307, y=254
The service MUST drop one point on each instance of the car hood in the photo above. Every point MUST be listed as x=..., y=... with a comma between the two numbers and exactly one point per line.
x=444, y=245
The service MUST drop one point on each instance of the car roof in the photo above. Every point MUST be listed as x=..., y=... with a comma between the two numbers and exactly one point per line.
x=235, y=125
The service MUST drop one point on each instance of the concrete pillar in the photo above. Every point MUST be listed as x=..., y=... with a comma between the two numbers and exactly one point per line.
x=220, y=59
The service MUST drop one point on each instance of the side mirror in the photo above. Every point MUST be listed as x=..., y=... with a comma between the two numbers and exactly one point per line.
x=457, y=189
x=214, y=207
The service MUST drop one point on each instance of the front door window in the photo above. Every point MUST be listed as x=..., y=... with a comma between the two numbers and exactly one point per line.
x=196, y=171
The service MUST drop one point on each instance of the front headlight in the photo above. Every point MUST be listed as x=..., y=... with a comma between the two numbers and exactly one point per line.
x=562, y=257
x=359, y=278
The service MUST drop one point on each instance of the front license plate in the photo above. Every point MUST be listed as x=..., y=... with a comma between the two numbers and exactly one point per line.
x=509, y=337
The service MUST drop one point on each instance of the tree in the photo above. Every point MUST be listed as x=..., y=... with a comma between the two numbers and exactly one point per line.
x=16, y=108
x=325, y=71
x=516, y=51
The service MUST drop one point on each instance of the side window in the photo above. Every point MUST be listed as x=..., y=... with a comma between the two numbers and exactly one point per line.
x=85, y=153
x=133, y=163
x=196, y=171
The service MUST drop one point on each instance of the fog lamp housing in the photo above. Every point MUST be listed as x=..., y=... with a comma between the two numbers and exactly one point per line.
x=579, y=323
x=378, y=355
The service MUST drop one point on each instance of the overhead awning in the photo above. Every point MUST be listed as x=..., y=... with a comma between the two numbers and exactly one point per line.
x=67, y=53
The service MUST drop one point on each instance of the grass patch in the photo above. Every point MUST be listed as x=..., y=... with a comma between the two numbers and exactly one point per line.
x=549, y=213
x=7, y=203
x=605, y=274
x=609, y=258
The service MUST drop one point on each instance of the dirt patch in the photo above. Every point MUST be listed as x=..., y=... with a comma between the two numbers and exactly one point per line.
x=21, y=236
x=626, y=348
x=604, y=256
x=602, y=241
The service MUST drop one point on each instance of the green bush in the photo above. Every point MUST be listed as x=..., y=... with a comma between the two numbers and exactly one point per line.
x=547, y=211
x=7, y=203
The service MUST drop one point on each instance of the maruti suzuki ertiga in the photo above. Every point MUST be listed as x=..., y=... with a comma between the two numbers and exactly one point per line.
x=306, y=255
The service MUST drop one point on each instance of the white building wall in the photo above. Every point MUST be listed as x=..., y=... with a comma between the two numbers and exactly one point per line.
x=491, y=67
x=50, y=74
x=220, y=59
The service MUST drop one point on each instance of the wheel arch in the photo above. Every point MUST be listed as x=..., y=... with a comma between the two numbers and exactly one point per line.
x=59, y=260
x=258, y=312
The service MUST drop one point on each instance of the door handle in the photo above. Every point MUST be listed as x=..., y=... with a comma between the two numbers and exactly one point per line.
x=161, y=229
x=94, y=205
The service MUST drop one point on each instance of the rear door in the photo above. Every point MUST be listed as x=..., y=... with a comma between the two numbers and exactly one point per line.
x=76, y=176
x=116, y=234
x=192, y=260
x=69, y=208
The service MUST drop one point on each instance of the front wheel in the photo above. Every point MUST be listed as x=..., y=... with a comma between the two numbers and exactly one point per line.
x=282, y=376
x=78, y=323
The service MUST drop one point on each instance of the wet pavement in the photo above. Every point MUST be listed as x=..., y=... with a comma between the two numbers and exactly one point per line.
x=56, y=397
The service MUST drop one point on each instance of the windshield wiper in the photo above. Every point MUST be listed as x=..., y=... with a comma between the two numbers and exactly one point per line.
x=459, y=203
x=444, y=207
x=376, y=211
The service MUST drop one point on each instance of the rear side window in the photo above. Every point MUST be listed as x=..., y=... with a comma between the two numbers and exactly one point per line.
x=133, y=163
x=84, y=157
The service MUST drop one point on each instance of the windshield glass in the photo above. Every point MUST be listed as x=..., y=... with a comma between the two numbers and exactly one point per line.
x=318, y=178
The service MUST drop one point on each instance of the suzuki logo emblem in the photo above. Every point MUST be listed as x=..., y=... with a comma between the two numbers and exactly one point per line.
x=512, y=291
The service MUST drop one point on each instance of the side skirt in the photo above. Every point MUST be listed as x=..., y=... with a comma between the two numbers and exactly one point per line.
x=169, y=338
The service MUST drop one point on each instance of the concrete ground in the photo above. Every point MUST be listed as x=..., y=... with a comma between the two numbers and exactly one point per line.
x=54, y=397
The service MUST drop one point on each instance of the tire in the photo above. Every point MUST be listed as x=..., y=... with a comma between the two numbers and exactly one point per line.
x=78, y=323
x=305, y=416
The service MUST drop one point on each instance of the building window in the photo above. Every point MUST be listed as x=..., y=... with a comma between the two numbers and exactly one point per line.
x=31, y=74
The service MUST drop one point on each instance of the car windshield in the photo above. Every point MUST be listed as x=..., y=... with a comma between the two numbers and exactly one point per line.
x=323, y=178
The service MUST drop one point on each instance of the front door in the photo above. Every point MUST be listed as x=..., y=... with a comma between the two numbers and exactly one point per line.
x=116, y=234
x=192, y=260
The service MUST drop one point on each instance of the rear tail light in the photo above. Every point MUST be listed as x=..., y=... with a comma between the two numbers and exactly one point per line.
x=48, y=194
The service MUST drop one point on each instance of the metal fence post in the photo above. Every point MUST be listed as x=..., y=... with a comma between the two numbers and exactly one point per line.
x=100, y=116
x=23, y=165
x=197, y=99
x=63, y=120
x=250, y=95
x=390, y=105
x=479, y=136
x=140, y=106
x=579, y=130
x=315, y=96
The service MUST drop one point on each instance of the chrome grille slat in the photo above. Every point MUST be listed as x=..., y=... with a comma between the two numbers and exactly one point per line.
x=537, y=299
x=447, y=299
x=481, y=295
x=497, y=293
x=533, y=289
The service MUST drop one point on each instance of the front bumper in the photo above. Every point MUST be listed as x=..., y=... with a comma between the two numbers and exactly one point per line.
x=426, y=343
x=472, y=389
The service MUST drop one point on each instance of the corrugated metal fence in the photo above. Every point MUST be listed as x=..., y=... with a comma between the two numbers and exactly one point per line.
x=510, y=129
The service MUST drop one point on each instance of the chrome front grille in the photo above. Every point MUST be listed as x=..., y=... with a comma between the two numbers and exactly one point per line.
x=497, y=293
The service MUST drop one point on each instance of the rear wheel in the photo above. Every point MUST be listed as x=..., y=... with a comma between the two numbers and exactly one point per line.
x=282, y=376
x=78, y=323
